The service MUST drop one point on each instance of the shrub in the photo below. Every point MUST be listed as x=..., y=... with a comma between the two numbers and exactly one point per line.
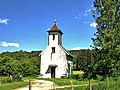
x=17, y=77
x=5, y=80
x=80, y=77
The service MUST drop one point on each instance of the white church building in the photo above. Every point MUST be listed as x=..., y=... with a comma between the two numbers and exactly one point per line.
x=56, y=61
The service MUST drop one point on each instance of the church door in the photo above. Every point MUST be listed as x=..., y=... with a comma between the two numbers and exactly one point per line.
x=52, y=72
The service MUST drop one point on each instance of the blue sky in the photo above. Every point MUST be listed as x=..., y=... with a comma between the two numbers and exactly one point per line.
x=24, y=23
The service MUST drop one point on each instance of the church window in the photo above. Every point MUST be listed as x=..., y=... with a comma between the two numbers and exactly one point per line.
x=53, y=36
x=53, y=49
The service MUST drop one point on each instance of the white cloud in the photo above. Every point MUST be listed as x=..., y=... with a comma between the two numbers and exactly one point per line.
x=91, y=6
x=85, y=14
x=86, y=22
x=78, y=16
x=48, y=29
x=88, y=10
x=4, y=21
x=77, y=48
x=93, y=24
x=6, y=44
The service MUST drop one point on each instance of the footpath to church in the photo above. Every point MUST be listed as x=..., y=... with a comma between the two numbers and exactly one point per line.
x=46, y=85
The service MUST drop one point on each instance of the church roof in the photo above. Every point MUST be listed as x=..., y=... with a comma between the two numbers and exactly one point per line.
x=55, y=28
x=67, y=52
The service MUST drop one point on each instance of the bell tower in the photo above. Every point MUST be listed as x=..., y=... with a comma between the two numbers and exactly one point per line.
x=54, y=35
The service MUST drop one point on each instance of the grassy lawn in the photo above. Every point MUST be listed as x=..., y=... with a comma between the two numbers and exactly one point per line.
x=15, y=85
x=66, y=81
x=11, y=86
x=62, y=82
x=29, y=78
x=98, y=85
x=102, y=85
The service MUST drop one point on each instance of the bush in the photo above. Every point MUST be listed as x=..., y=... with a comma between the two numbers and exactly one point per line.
x=64, y=77
x=5, y=80
x=17, y=77
x=100, y=78
x=80, y=77
x=10, y=79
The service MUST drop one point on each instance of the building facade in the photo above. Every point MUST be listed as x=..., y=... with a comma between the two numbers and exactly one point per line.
x=56, y=61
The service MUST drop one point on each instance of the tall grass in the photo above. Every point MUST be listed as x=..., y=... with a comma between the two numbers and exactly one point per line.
x=11, y=86
x=104, y=86
x=101, y=85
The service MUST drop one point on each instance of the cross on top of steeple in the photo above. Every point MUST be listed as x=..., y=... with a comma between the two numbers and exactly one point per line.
x=55, y=21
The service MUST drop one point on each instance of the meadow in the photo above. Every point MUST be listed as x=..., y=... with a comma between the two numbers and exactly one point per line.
x=97, y=84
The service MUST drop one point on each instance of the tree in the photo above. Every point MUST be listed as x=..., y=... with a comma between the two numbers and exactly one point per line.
x=87, y=64
x=75, y=60
x=107, y=16
x=3, y=61
x=19, y=63
x=107, y=39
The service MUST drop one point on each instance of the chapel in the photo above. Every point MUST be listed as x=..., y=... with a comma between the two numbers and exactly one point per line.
x=56, y=61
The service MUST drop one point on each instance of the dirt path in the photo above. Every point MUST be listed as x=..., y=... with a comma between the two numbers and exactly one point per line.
x=39, y=85
x=45, y=85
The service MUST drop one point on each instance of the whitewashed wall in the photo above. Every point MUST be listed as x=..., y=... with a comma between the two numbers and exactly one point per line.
x=58, y=58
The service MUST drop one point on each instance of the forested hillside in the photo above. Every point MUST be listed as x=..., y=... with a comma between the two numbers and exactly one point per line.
x=19, y=62
x=28, y=63
x=79, y=57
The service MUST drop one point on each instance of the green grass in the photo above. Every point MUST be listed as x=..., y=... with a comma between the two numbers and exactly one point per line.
x=66, y=81
x=11, y=86
x=62, y=82
x=29, y=78
x=78, y=72
x=15, y=85
x=100, y=85
x=97, y=84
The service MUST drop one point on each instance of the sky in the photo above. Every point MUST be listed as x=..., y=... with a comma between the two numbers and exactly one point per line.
x=24, y=23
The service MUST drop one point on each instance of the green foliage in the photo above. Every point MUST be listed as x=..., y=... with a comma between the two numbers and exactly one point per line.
x=19, y=63
x=107, y=38
x=85, y=62
x=81, y=58
x=75, y=61
x=5, y=80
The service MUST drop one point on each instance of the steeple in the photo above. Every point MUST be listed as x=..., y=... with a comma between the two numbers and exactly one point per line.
x=54, y=35
x=55, y=28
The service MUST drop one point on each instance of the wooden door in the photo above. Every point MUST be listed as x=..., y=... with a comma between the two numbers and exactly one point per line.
x=52, y=72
